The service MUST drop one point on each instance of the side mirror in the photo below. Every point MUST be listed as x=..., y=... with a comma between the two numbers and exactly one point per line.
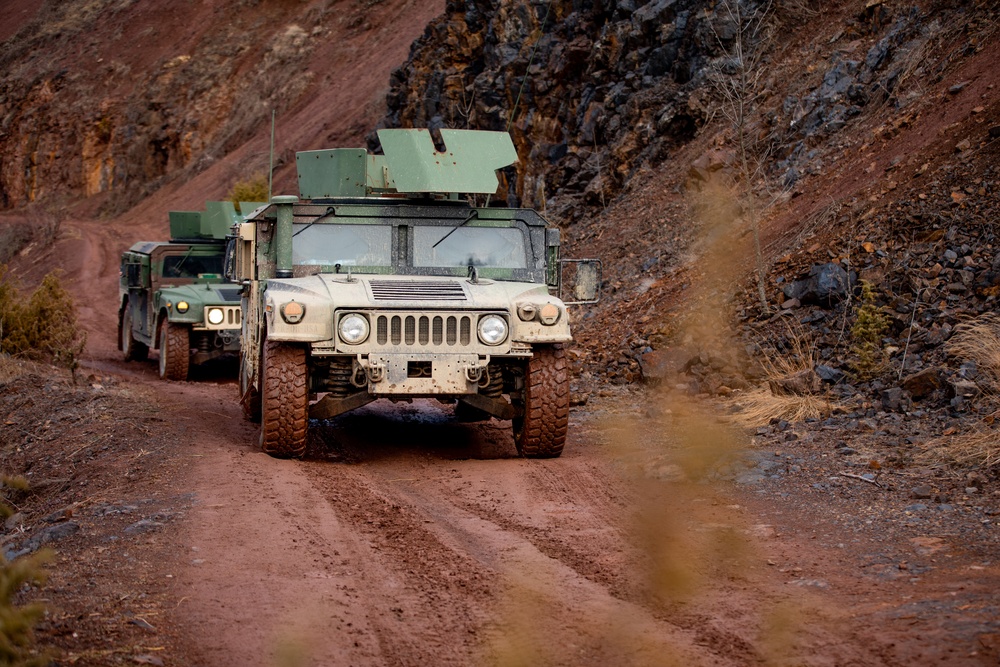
x=580, y=281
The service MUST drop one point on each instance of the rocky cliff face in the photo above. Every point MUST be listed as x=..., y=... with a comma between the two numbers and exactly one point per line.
x=594, y=91
x=589, y=89
x=101, y=98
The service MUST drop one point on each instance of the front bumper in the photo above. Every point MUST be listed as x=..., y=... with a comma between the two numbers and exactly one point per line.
x=421, y=374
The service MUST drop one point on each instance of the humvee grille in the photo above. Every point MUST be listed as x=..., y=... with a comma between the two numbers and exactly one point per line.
x=416, y=329
x=425, y=290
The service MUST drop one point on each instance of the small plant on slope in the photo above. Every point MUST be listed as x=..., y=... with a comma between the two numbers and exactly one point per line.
x=870, y=325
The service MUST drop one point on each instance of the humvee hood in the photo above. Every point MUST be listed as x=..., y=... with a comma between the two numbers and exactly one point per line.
x=207, y=294
x=410, y=292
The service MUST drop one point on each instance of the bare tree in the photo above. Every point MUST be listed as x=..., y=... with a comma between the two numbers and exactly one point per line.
x=743, y=30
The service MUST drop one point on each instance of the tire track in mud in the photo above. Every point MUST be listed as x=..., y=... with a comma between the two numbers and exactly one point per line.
x=598, y=548
x=439, y=597
x=394, y=508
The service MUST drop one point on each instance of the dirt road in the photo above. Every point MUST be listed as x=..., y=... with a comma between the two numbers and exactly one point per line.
x=405, y=538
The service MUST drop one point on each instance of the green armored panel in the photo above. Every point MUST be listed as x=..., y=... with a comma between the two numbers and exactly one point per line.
x=185, y=224
x=218, y=218
x=248, y=207
x=468, y=163
x=379, y=177
x=339, y=172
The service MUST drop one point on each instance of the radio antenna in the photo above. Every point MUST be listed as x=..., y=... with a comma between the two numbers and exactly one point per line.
x=270, y=163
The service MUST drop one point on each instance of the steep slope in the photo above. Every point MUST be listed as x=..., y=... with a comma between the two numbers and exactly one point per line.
x=625, y=113
x=113, y=100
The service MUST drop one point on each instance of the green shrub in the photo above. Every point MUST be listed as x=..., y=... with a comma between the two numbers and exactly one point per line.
x=870, y=325
x=252, y=189
x=44, y=328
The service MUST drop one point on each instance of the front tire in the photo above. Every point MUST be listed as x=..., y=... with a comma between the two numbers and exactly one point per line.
x=132, y=350
x=285, y=401
x=541, y=432
x=175, y=351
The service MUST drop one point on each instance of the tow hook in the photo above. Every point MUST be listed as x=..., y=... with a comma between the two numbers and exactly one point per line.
x=375, y=371
x=474, y=372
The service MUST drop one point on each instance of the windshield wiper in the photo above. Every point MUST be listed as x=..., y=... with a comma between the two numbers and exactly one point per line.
x=474, y=213
x=329, y=211
x=177, y=267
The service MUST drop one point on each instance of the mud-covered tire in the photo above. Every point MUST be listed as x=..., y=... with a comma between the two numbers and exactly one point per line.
x=541, y=432
x=285, y=401
x=132, y=350
x=249, y=395
x=175, y=351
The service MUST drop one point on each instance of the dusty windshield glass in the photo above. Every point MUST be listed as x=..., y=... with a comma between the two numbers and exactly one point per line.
x=191, y=266
x=347, y=245
x=493, y=247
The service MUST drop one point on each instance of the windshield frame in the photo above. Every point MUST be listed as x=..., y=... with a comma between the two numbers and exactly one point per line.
x=402, y=243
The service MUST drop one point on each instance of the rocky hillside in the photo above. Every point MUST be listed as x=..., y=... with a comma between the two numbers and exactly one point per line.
x=595, y=91
x=108, y=101
x=867, y=124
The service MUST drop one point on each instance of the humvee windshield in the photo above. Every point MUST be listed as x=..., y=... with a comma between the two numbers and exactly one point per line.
x=371, y=246
x=492, y=247
x=191, y=266
x=347, y=245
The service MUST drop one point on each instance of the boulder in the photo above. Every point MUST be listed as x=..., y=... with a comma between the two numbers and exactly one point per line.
x=826, y=285
x=923, y=383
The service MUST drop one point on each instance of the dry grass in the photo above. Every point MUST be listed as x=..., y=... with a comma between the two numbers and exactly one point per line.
x=762, y=405
x=979, y=447
x=977, y=340
x=10, y=368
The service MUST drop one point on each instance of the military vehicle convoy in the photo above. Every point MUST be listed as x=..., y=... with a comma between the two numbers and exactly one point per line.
x=174, y=298
x=382, y=280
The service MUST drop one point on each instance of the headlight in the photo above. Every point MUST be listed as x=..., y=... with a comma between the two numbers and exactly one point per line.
x=182, y=306
x=492, y=330
x=292, y=312
x=353, y=328
x=215, y=315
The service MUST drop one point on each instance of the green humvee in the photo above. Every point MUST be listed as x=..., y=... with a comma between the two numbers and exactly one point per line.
x=384, y=281
x=173, y=296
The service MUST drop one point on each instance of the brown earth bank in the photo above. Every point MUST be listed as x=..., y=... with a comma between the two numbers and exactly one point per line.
x=664, y=535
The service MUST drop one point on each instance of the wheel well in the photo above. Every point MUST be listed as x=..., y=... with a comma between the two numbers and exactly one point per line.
x=160, y=316
x=121, y=316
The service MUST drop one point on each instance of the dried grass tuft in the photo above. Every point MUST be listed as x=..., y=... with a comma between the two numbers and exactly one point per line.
x=979, y=447
x=979, y=340
x=762, y=405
